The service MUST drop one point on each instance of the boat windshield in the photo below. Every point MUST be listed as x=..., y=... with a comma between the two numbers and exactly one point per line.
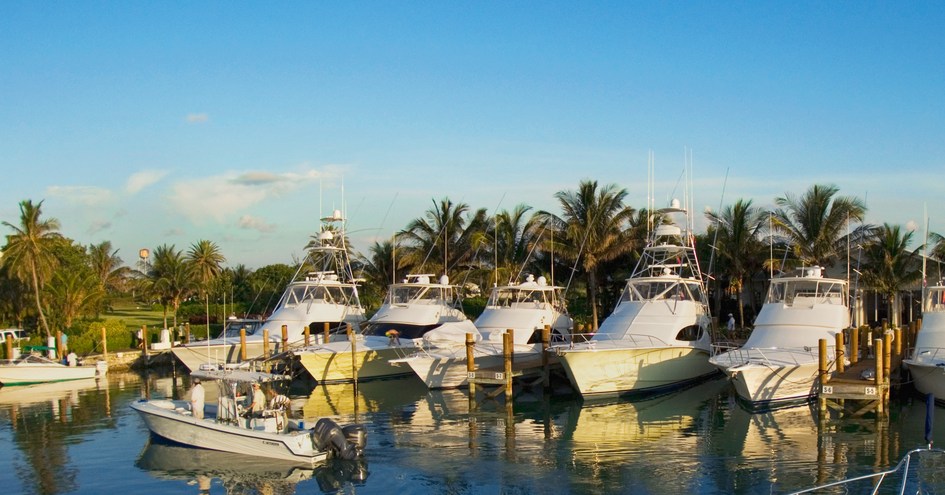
x=651, y=290
x=513, y=297
x=233, y=327
x=934, y=300
x=404, y=330
x=805, y=293
x=420, y=294
x=319, y=294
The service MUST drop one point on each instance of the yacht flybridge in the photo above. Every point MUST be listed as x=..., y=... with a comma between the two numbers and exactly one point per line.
x=322, y=291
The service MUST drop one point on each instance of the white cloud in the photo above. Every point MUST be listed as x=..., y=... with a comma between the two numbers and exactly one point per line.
x=140, y=180
x=224, y=196
x=84, y=195
x=252, y=223
x=197, y=118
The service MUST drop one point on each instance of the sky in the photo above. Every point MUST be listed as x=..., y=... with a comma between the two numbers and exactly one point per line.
x=150, y=123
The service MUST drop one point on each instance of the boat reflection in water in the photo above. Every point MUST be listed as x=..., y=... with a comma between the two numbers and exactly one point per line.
x=54, y=392
x=242, y=473
x=651, y=442
x=338, y=399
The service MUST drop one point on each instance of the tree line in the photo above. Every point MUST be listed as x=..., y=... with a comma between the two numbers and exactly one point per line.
x=49, y=282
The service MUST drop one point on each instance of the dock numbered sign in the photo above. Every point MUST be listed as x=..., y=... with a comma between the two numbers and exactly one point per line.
x=826, y=389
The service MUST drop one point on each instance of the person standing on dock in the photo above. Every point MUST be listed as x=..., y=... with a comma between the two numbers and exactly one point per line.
x=197, y=396
x=730, y=326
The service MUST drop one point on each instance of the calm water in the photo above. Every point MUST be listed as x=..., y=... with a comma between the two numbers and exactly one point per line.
x=83, y=438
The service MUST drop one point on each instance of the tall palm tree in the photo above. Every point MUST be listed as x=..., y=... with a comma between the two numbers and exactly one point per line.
x=890, y=265
x=595, y=227
x=206, y=263
x=28, y=252
x=170, y=277
x=737, y=230
x=446, y=238
x=815, y=223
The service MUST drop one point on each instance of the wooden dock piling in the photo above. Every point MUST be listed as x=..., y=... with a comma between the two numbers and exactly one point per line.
x=243, y=344
x=847, y=386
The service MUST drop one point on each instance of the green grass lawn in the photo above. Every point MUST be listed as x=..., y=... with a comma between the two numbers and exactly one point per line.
x=134, y=315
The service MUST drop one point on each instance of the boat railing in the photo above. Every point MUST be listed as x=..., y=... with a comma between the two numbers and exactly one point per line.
x=929, y=354
x=877, y=479
x=775, y=356
x=606, y=340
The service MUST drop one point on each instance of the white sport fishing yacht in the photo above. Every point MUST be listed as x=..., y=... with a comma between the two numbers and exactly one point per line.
x=779, y=362
x=927, y=363
x=417, y=312
x=658, y=335
x=524, y=308
x=323, y=291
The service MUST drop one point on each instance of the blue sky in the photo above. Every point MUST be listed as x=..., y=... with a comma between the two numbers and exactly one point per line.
x=146, y=123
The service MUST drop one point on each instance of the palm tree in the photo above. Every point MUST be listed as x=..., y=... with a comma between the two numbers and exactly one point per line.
x=205, y=261
x=512, y=238
x=28, y=252
x=815, y=223
x=740, y=250
x=446, y=238
x=170, y=277
x=595, y=227
x=377, y=270
x=106, y=264
x=73, y=293
x=890, y=266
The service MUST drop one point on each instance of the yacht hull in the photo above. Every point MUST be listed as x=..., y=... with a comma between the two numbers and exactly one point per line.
x=446, y=371
x=770, y=384
x=327, y=365
x=928, y=377
x=194, y=355
x=626, y=370
x=30, y=373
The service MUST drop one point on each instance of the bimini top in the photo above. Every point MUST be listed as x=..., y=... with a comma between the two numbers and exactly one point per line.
x=241, y=376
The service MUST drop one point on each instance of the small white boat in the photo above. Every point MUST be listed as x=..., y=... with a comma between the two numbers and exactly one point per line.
x=658, y=336
x=927, y=363
x=32, y=368
x=779, y=363
x=323, y=291
x=416, y=313
x=224, y=427
x=525, y=309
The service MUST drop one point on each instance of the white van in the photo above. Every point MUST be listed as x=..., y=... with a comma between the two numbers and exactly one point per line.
x=18, y=334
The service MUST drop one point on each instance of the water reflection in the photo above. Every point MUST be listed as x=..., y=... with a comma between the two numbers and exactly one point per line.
x=339, y=400
x=241, y=474
x=81, y=438
x=45, y=419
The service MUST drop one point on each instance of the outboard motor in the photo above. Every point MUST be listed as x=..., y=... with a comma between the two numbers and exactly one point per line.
x=327, y=435
x=356, y=435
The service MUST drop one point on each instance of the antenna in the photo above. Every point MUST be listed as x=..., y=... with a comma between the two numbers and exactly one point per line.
x=719, y=212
